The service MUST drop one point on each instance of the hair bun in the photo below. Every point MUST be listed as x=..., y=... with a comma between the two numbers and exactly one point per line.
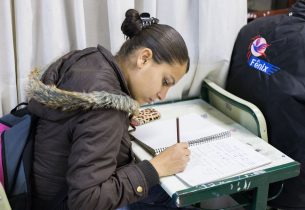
x=134, y=22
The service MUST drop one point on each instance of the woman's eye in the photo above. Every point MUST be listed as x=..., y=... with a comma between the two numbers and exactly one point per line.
x=165, y=82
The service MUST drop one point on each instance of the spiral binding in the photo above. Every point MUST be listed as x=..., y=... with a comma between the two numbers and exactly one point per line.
x=207, y=139
x=159, y=150
x=202, y=140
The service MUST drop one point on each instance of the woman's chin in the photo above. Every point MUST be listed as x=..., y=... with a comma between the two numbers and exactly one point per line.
x=141, y=102
x=144, y=102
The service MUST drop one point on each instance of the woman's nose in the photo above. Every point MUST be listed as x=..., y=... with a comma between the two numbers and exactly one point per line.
x=162, y=94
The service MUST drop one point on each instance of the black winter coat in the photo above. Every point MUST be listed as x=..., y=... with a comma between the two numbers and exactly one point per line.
x=268, y=69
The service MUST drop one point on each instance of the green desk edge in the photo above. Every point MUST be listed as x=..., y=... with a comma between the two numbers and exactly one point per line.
x=205, y=96
x=236, y=184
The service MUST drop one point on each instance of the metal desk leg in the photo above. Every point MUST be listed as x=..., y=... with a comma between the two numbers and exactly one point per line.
x=260, y=197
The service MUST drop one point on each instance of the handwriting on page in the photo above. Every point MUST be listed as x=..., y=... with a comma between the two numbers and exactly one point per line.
x=219, y=159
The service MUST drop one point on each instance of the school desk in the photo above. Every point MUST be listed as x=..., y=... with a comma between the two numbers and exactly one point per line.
x=258, y=180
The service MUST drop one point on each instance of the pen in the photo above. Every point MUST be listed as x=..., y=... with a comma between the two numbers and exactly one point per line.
x=178, y=131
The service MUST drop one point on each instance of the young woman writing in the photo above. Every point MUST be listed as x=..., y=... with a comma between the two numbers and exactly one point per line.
x=84, y=101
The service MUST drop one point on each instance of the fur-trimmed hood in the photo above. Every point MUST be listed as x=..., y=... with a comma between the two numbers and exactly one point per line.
x=81, y=80
x=52, y=97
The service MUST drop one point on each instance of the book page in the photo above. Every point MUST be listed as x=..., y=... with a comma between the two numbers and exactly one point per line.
x=219, y=159
x=163, y=133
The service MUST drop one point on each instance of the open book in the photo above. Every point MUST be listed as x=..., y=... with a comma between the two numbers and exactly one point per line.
x=215, y=154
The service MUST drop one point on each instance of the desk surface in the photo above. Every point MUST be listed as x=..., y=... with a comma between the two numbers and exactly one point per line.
x=282, y=167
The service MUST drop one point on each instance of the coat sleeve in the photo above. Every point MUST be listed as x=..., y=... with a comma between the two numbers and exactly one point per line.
x=93, y=178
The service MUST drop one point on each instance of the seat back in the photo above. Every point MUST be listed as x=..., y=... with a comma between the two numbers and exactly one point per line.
x=240, y=110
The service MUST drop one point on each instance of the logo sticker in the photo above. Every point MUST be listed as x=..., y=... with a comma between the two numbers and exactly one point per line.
x=257, y=49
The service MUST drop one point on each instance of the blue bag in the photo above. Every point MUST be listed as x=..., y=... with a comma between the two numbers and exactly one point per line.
x=16, y=142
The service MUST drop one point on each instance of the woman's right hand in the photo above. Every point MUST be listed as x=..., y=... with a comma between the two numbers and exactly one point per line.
x=172, y=160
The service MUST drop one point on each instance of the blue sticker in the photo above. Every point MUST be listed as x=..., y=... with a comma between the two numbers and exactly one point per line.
x=262, y=65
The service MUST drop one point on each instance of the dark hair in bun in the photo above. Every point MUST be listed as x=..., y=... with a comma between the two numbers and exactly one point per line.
x=132, y=24
x=142, y=30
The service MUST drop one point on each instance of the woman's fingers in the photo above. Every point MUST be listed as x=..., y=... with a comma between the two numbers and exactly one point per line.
x=172, y=160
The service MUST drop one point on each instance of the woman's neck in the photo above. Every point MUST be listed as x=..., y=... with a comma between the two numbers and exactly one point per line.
x=123, y=67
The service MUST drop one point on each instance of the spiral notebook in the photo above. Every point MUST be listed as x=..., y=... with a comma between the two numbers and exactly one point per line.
x=194, y=128
x=215, y=154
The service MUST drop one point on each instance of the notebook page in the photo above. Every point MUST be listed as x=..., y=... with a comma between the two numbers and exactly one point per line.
x=163, y=133
x=220, y=159
x=195, y=126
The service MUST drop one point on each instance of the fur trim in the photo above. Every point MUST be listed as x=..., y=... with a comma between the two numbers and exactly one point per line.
x=56, y=98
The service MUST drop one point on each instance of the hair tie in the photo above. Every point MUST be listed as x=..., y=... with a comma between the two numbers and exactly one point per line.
x=147, y=20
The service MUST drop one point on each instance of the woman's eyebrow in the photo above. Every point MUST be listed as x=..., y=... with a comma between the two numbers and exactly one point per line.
x=173, y=79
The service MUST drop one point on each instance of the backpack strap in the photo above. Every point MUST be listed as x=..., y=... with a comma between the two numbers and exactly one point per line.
x=20, y=112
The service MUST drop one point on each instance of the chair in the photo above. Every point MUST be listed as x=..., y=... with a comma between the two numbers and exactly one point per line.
x=241, y=111
x=4, y=204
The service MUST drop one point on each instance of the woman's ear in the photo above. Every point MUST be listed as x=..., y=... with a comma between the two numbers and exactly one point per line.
x=144, y=57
